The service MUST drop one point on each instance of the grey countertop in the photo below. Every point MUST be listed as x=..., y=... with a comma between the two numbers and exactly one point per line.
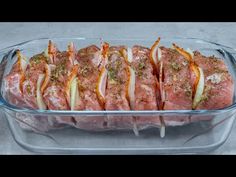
x=12, y=33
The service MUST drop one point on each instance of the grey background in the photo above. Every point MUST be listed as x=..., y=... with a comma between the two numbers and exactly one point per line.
x=12, y=33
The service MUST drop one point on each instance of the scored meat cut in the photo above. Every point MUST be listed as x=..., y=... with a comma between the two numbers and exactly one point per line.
x=96, y=78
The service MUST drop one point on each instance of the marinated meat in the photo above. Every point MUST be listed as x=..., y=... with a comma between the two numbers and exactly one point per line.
x=119, y=78
x=177, y=85
x=146, y=91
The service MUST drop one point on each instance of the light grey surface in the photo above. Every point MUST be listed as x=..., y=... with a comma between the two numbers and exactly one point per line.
x=12, y=33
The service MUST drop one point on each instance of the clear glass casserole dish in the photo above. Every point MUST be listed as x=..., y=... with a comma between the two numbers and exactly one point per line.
x=49, y=137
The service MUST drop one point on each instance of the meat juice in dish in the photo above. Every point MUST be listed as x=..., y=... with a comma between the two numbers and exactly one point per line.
x=120, y=78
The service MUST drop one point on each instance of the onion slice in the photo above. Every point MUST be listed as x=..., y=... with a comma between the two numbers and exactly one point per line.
x=190, y=52
x=39, y=98
x=131, y=87
x=130, y=94
x=102, y=78
x=51, y=51
x=101, y=86
x=162, y=128
x=162, y=90
x=47, y=77
x=199, y=88
x=70, y=78
x=155, y=54
x=103, y=55
x=186, y=54
x=74, y=93
x=128, y=55
x=22, y=63
x=71, y=52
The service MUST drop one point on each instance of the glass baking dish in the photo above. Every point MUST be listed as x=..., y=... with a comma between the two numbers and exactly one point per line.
x=208, y=130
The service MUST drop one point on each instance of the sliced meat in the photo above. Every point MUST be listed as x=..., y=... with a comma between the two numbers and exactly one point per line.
x=88, y=74
x=55, y=98
x=14, y=80
x=218, y=85
x=177, y=85
x=146, y=90
x=55, y=93
x=36, y=67
x=88, y=60
x=117, y=85
x=13, y=90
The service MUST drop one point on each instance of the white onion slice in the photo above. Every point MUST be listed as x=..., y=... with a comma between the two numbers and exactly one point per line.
x=190, y=52
x=162, y=128
x=131, y=89
x=199, y=89
x=162, y=91
x=39, y=98
x=46, y=53
x=74, y=93
x=76, y=62
x=154, y=55
x=102, y=83
x=159, y=54
x=162, y=131
x=129, y=55
x=131, y=86
x=23, y=61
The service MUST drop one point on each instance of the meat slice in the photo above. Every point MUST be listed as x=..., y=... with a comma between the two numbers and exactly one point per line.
x=88, y=74
x=146, y=90
x=13, y=81
x=177, y=85
x=56, y=93
x=35, y=67
x=218, y=84
x=219, y=89
x=116, y=91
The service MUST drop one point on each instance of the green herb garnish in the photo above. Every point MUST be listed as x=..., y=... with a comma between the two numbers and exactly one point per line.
x=175, y=66
x=141, y=65
x=112, y=74
x=28, y=89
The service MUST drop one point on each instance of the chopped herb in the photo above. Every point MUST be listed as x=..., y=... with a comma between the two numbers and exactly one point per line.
x=113, y=81
x=59, y=70
x=118, y=63
x=139, y=73
x=204, y=98
x=112, y=74
x=86, y=69
x=28, y=89
x=37, y=59
x=206, y=94
x=141, y=65
x=188, y=93
x=175, y=66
